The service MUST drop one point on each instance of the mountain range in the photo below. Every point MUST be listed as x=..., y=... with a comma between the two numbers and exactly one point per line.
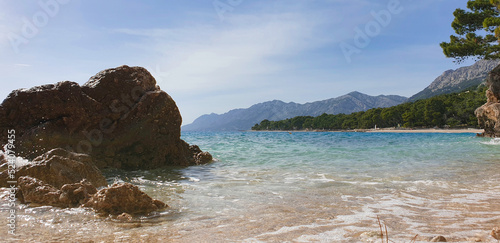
x=243, y=119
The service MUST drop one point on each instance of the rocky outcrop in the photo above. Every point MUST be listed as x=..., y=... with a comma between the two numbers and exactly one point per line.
x=488, y=115
x=120, y=117
x=123, y=198
x=58, y=167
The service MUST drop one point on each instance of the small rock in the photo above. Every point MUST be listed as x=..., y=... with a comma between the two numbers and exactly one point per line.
x=125, y=217
x=123, y=198
x=76, y=194
x=203, y=158
x=36, y=191
x=495, y=233
x=439, y=239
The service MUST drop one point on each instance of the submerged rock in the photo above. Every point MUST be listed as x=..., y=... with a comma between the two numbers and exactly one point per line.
x=124, y=217
x=58, y=167
x=439, y=239
x=120, y=117
x=488, y=115
x=123, y=198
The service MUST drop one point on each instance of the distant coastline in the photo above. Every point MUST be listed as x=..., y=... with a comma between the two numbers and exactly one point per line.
x=390, y=130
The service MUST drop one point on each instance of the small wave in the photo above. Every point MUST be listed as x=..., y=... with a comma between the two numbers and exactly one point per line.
x=493, y=141
x=19, y=161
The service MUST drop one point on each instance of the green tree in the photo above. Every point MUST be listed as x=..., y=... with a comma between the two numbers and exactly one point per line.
x=478, y=31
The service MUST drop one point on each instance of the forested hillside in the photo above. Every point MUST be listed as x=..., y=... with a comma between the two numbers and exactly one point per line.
x=449, y=110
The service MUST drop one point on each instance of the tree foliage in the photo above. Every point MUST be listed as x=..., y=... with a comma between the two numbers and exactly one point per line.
x=478, y=31
x=449, y=110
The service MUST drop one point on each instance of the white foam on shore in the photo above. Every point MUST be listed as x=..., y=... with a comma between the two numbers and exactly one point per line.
x=415, y=213
x=19, y=161
x=493, y=141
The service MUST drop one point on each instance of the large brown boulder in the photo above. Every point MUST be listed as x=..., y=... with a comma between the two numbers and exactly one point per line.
x=488, y=115
x=123, y=198
x=58, y=167
x=120, y=117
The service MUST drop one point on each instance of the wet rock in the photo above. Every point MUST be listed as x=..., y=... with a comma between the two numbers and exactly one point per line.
x=33, y=190
x=120, y=117
x=123, y=198
x=199, y=156
x=488, y=115
x=125, y=217
x=3, y=162
x=36, y=191
x=439, y=239
x=73, y=195
x=495, y=233
x=58, y=167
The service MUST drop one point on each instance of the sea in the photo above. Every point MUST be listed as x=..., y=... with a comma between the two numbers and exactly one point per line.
x=299, y=187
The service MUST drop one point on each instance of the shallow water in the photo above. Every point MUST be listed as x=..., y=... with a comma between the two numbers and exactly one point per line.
x=302, y=187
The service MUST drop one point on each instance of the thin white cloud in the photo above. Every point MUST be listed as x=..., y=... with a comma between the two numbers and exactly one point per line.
x=22, y=65
x=206, y=59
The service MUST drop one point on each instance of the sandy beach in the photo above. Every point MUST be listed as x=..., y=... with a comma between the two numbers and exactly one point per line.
x=389, y=130
x=426, y=130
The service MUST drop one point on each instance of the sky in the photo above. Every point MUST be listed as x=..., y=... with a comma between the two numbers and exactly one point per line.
x=214, y=56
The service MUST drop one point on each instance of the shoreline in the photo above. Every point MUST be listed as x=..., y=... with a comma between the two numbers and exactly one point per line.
x=427, y=130
x=391, y=130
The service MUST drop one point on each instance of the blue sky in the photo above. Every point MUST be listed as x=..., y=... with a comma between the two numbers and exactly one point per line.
x=242, y=52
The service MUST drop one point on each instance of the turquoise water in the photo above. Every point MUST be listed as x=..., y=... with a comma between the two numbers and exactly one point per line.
x=304, y=187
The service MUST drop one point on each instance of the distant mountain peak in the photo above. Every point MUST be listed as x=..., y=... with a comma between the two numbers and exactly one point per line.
x=457, y=80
